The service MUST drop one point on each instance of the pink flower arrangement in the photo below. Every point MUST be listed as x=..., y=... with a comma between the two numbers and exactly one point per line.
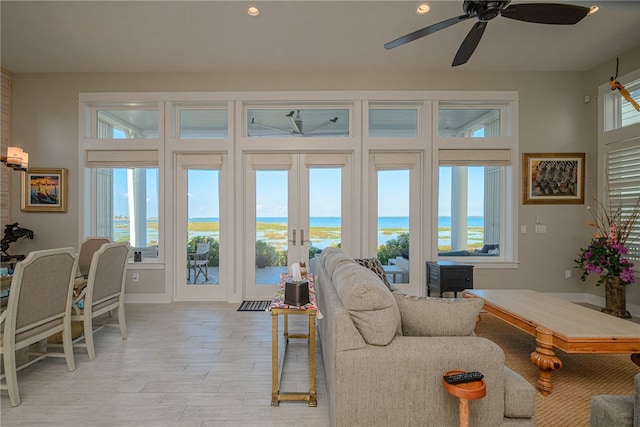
x=606, y=254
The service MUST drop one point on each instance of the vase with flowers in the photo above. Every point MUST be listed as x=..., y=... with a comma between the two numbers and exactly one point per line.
x=607, y=253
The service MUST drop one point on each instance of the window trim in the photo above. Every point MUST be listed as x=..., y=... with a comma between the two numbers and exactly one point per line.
x=507, y=142
x=609, y=138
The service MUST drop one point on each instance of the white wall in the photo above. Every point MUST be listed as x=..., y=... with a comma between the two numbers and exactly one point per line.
x=553, y=118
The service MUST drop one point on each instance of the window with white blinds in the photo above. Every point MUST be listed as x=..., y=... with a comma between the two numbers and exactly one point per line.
x=623, y=172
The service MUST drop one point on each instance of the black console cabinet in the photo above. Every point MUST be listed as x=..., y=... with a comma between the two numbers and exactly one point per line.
x=449, y=276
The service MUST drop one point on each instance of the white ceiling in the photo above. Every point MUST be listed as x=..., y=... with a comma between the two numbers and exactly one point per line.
x=219, y=36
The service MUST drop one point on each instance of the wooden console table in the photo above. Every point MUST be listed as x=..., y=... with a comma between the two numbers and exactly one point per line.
x=561, y=324
x=277, y=308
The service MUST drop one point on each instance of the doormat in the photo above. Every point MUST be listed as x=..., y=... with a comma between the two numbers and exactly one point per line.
x=254, y=305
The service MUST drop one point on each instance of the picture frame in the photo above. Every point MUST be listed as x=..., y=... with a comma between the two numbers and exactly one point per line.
x=44, y=190
x=553, y=178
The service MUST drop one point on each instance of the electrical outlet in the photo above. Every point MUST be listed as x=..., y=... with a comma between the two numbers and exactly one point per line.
x=541, y=229
x=568, y=274
x=523, y=229
x=135, y=277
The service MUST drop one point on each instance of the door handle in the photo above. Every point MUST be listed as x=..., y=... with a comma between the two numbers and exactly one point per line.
x=302, y=241
x=294, y=237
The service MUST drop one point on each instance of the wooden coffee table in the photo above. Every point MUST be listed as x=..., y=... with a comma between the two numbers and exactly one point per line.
x=561, y=324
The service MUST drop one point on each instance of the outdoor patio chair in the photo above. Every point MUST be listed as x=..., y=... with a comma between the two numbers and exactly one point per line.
x=104, y=292
x=199, y=261
x=39, y=306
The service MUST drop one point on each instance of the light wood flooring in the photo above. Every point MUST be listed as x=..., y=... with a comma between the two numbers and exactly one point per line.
x=183, y=364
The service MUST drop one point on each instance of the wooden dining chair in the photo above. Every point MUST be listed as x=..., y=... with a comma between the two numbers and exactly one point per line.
x=104, y=292
x=87, y=248
x=39, y=306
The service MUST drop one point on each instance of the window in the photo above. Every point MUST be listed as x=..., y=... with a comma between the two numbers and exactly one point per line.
x=469, y=210
x=127, y=124
x=393, y=223
x=125, y=205
x=619, y=112
x=473, y=196
x=623, y=172
x=460, y=121
x=619, y=152
x=202, y=123
x=297, y=122
x=393, y=121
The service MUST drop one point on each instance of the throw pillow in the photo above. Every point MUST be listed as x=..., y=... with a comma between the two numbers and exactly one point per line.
x=375, y=265
x=438, y=317
x=371, y=306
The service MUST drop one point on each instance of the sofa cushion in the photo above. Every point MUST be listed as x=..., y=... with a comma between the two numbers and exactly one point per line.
x=332, y=256
x=371, y=305
x=374, y=265
x=438, y=317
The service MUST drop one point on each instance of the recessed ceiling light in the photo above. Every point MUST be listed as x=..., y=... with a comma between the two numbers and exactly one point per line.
x=594, y=9
x=422, y=9
x=253, y=11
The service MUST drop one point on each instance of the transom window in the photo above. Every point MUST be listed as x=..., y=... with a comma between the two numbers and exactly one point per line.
x=297, y=122
x=460, y=121
x=393, y=121
x=127, y=124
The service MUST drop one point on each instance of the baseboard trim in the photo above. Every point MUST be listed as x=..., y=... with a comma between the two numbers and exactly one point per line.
x=592, y=299
x=147, y=299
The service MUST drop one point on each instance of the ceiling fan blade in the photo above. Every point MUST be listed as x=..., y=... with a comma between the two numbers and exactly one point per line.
x=323, y=124
x=469, y=44
x=254, y=123
x=425, y=31
x=294, y=125
x=546, y=13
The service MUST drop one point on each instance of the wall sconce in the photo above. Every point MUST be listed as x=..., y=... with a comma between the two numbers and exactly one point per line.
x=16, y=159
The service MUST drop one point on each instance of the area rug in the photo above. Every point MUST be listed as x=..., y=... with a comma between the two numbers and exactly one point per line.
x=254, y=305
x=581, y=377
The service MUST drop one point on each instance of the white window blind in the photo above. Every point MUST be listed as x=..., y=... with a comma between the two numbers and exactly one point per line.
x=481, y=157
x=128, y=158
x=623, y=171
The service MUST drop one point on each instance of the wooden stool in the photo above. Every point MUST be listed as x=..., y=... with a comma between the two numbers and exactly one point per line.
x=465, y=392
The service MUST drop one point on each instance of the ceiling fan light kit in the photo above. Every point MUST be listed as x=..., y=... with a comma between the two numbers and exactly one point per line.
x=485, y=11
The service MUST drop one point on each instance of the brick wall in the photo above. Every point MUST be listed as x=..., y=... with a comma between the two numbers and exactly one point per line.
x=5, y=139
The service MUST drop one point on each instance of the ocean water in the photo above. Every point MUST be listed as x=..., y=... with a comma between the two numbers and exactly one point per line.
x=398, y=224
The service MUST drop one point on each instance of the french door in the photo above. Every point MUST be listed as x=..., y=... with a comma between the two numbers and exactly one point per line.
x=201, y=217
x=296, y=204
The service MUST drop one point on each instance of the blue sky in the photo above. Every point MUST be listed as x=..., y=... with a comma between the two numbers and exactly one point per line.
x=324, y=193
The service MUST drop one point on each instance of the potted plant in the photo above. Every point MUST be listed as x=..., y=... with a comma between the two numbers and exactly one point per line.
x=606, y=254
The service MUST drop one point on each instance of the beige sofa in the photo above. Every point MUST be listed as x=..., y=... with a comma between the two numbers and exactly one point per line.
x=381, y=369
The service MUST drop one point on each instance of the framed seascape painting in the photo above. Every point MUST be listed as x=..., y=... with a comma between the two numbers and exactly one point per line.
x=553, y=178
x=44, y=190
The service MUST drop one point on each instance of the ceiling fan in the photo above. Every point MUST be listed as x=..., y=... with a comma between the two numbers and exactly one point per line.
x=295, y=120
x=485, y=11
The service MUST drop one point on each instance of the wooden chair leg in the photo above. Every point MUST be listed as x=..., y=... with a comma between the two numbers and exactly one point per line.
x=121, y=321
x=67, y=345
x=88, y=337
x=11, y=376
